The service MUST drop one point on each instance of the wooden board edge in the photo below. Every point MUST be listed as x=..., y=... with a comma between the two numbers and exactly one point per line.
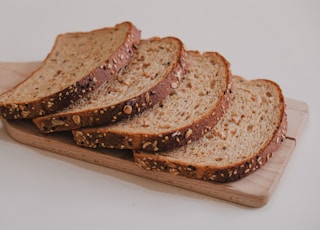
x=298, y=115
x=297, y=105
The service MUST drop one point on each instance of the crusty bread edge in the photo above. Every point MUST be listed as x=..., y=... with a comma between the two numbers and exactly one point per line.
x=125, y=109
x=94, y=138
x=224, y=174
x=59, y=100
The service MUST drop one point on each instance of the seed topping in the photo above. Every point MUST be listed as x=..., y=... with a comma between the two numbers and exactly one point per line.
x=127, y=109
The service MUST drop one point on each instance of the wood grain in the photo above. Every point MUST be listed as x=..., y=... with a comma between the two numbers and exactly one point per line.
x=254, y=190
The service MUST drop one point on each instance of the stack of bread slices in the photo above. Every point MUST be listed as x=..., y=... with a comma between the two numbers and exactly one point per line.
x=178, y=110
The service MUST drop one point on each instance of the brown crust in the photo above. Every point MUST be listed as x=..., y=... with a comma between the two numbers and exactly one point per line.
x=120, y=111
x=161, y=141
x=79, y=89
x=224, y=174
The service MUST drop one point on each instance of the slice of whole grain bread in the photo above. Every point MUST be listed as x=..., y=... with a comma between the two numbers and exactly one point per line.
x=77, y=64
x=244, y=139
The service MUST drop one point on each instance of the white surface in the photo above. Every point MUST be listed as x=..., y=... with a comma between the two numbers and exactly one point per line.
x=278, y=40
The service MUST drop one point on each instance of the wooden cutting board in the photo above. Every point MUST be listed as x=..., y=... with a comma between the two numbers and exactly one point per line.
x=254, y=190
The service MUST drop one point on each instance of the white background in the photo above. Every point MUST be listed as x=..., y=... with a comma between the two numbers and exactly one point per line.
x=273, y=39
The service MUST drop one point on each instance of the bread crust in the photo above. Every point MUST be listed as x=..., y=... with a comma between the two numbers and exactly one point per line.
x=154, y=142
x=59, y=100
x=227, y=173
x=123, y=109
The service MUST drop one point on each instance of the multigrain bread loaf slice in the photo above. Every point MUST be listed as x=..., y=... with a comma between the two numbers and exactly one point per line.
x=154, y=72
x=182, y=117
x=244, y=139
x=78, y=63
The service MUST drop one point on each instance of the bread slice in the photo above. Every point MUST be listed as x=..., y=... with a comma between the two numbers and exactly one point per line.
x=244, y=139
x=184, y=116
x=78, y=63
x=154, y=72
